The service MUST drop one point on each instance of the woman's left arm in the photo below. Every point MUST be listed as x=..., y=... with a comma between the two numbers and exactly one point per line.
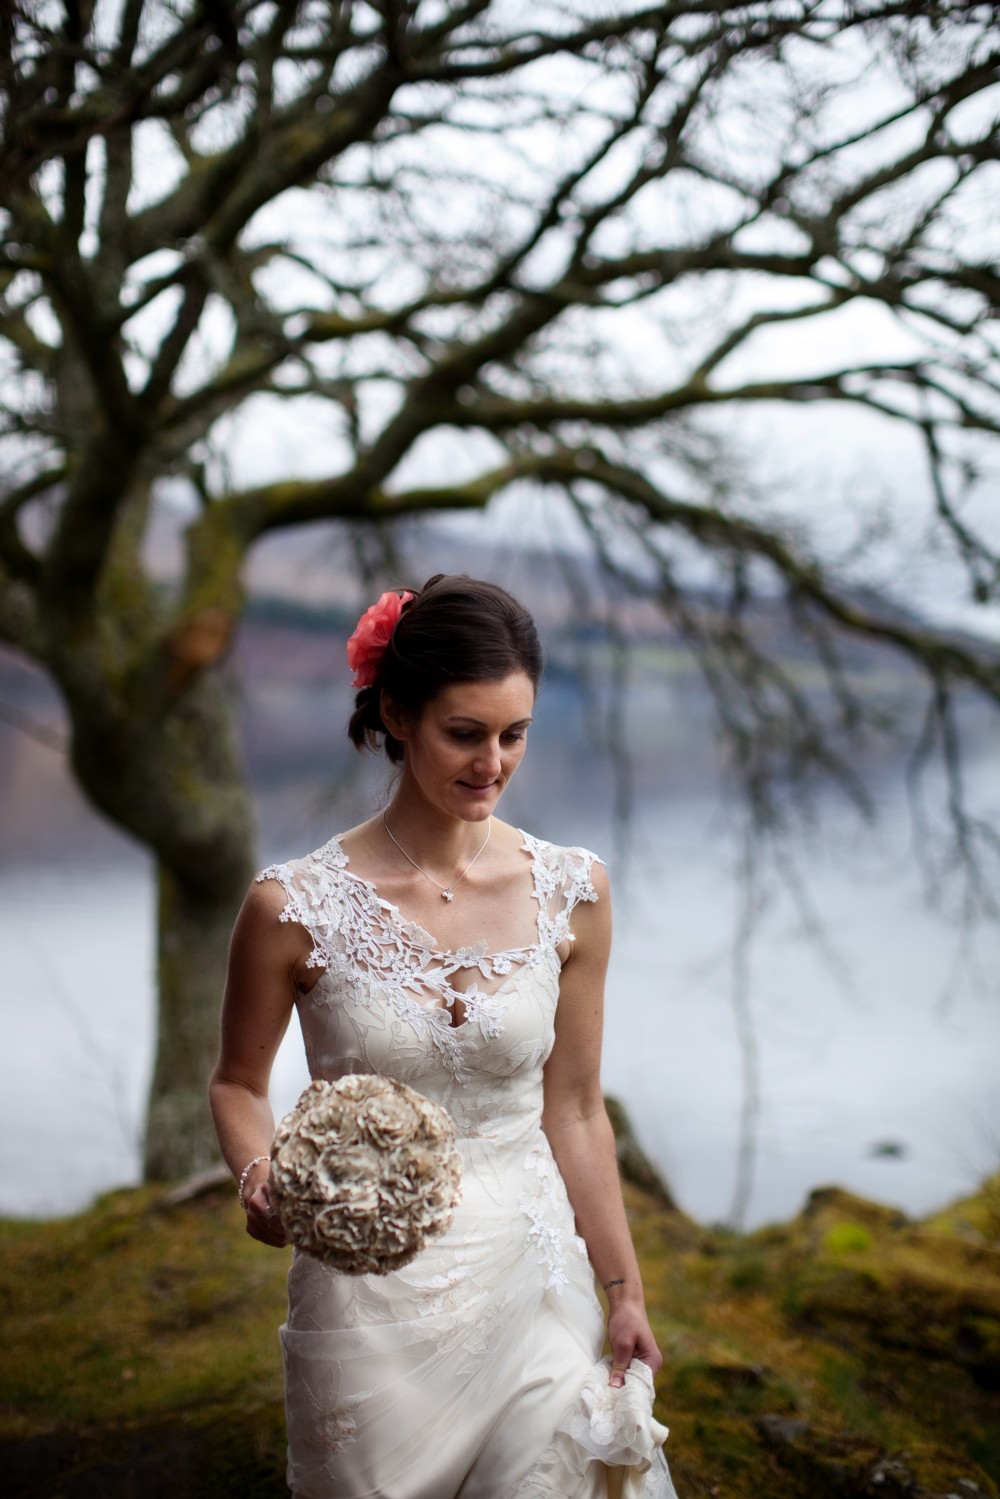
x=578, y=1129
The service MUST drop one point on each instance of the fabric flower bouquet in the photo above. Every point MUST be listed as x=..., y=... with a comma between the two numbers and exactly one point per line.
x=364, y=1171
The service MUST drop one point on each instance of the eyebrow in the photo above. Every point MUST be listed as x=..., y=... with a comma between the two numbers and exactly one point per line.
x=518, y=723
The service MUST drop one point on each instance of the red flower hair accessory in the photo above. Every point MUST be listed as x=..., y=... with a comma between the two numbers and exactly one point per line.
x=375, y=627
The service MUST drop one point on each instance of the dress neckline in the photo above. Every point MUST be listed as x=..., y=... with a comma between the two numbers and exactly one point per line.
x=476, y=952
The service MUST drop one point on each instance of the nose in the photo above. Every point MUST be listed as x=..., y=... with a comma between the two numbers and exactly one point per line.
x=487, y=762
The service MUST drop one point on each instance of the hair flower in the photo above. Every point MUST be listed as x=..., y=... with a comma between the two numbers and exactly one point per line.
x=374, y=631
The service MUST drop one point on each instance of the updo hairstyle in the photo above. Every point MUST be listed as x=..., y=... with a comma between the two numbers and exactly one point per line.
x=455, y=629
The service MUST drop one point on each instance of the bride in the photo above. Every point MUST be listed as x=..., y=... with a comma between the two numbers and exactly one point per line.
x=437, y=944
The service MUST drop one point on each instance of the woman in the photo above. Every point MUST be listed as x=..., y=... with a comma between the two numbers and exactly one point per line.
x=439, y=945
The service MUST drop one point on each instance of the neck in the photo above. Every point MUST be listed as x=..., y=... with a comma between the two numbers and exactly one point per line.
x=440, y=843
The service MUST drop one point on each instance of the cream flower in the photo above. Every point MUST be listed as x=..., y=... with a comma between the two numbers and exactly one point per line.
x=363, y=1172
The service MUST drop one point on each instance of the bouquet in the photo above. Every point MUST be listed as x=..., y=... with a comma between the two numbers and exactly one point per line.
x=364, y=1171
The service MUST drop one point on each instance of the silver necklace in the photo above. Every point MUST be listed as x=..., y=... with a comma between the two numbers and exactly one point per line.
x=447, y=891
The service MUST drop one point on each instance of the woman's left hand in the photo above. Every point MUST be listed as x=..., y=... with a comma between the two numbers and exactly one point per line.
x=262, y=1221
x=631, y=1337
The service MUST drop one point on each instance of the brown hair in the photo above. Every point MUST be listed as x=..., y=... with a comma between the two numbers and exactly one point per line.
x=455, y=629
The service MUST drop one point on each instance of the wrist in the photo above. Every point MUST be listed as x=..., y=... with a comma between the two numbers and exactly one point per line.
x=252, y=1175
x=623, y=1289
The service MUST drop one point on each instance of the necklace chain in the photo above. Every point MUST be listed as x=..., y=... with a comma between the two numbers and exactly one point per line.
x=447, y=891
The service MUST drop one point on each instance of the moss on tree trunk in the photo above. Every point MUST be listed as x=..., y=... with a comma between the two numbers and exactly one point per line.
x=192, y=942
x=168, y=767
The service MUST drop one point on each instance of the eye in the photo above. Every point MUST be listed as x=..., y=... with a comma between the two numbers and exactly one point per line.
x=513, y=736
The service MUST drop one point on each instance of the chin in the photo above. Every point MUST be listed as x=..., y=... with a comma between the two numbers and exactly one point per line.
x=475, y=807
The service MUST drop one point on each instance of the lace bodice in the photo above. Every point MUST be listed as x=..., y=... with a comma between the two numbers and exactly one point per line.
x=386, y=1000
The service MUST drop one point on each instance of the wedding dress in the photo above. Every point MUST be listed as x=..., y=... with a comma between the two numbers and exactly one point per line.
x=475, y=1371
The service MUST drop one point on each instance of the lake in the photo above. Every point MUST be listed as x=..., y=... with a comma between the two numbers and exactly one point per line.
x=878, y=1063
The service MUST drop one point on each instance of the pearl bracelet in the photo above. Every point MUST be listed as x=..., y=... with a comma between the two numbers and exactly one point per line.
x=245, y=1173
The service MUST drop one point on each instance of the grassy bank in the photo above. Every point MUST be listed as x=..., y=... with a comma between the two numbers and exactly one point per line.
x=848, y=1352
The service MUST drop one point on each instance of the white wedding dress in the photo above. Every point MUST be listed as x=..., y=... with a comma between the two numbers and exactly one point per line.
x=475, y=1371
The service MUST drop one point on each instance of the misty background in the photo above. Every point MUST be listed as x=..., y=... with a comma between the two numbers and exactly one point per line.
x=817, y=1020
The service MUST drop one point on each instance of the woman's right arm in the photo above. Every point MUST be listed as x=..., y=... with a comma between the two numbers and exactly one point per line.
x=266, y=960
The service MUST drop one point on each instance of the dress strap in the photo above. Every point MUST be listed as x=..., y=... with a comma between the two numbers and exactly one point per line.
x=314, y=891
x=561, y=881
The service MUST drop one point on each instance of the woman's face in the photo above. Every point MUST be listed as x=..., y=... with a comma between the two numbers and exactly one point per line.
x=467, y=743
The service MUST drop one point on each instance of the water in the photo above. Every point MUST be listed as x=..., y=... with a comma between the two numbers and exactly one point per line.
x=885, y=1039
x=900, y=1044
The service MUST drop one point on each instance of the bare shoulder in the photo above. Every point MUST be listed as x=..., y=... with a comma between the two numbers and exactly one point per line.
x=591, y=914
x=601, y=880
x=263, y=929
x=266, y=898
x=584, y=872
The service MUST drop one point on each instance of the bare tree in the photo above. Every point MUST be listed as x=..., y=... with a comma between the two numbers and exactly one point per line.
x=562, y=235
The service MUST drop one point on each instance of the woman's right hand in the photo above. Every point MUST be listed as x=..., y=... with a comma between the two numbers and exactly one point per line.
x=263, y=1222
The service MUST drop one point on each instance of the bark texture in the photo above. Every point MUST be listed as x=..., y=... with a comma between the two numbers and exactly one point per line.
x=193, y=933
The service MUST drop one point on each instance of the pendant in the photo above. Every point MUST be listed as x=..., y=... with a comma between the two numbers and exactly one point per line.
x=447, y=895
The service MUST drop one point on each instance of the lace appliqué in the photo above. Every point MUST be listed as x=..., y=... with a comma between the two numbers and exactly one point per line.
x=546, y=1205
x=463, y=1317
x=486, y=1011
x=379, y=958
x=550, y=1246
x=339, y=1426
x=367, y=945
x=568, y=877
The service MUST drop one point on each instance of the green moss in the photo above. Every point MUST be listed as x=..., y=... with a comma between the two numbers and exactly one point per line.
x=748, y=1273
x=136, y=1312
x=141, y=1352
x=974, y=1219
x=844, y=1385
x=847, y=1238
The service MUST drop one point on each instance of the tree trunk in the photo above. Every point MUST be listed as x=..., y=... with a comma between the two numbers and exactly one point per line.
x=169, y=768
x=192, y=943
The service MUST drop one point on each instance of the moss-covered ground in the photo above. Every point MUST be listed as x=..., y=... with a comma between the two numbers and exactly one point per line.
x=848, y=1352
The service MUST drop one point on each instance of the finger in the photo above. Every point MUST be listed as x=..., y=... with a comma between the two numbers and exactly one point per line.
x=618, y=1370
x=650, y=1354
x=259, y=1203
x=266, y=1233
x=260, y=1198
x=275, y=1229
x=263, y=1222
